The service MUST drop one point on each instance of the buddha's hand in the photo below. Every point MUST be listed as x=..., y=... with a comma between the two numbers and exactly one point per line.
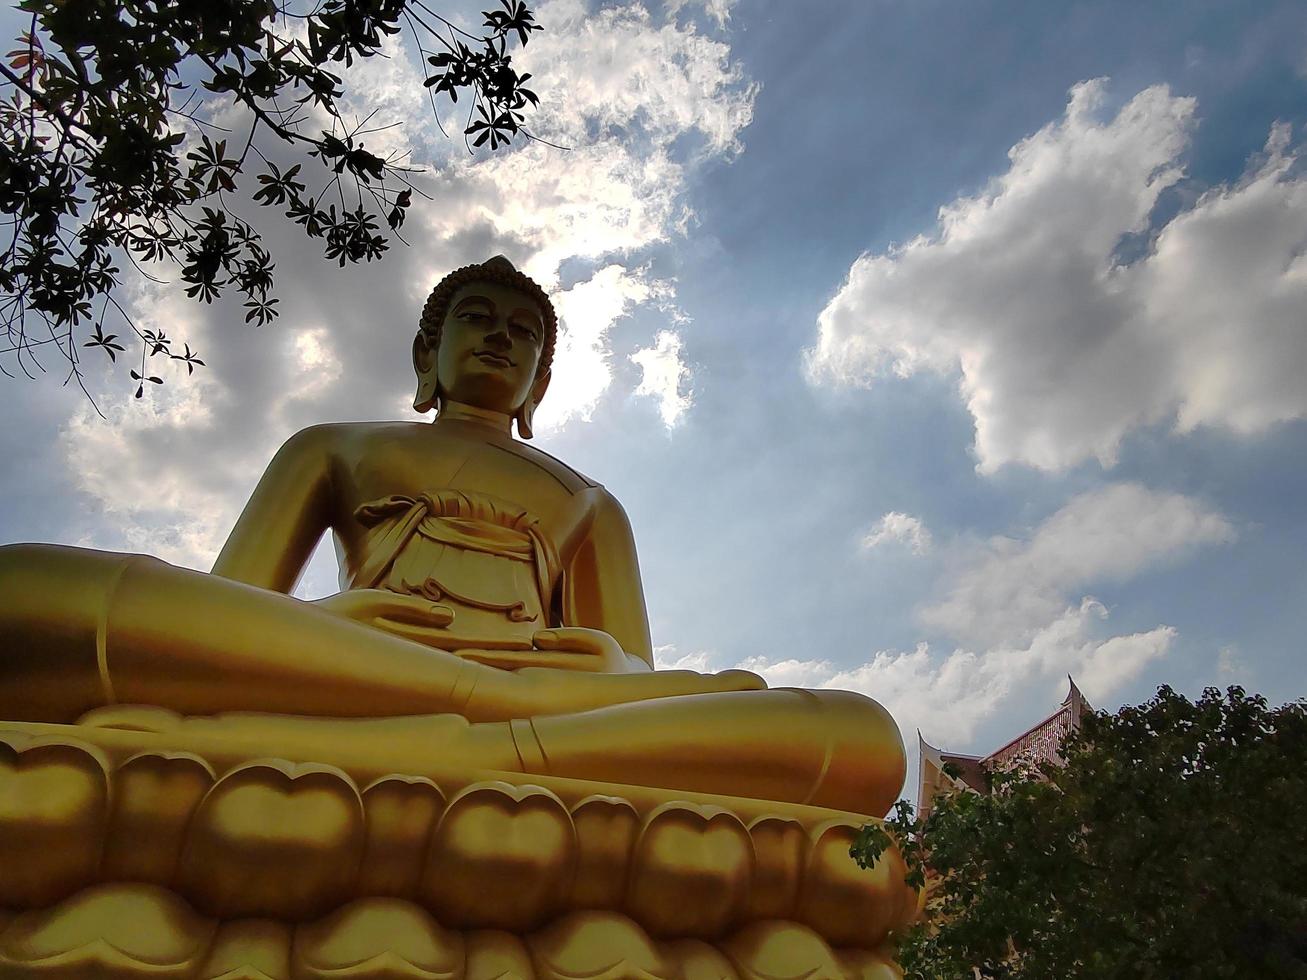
x=564, y=648
x=592, y=650
x=409, y=616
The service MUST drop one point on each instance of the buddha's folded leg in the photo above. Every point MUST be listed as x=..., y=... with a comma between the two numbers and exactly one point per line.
x=827, y=748
x=81, y=629
x=407, y=743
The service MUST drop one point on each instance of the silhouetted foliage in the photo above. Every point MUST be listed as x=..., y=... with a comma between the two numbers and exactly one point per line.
x=106, y=157
x=1169, y=846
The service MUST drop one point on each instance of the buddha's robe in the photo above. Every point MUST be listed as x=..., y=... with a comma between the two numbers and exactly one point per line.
x=486, y=560
x=403, y=500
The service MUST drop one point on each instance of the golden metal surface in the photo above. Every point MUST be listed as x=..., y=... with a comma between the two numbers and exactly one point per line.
x=460, y=765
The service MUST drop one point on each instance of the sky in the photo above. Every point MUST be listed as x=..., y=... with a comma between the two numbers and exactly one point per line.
x=936, y=350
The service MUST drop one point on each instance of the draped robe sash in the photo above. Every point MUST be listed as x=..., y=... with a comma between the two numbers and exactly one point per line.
x=483, y=557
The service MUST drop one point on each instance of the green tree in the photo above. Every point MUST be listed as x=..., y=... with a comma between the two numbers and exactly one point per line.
x=1170, y=845
x=108, y=157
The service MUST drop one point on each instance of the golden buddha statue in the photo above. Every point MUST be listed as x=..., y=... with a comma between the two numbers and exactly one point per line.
x=491, y=617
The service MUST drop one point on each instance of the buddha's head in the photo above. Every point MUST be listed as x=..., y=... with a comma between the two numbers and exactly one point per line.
x=486, y=339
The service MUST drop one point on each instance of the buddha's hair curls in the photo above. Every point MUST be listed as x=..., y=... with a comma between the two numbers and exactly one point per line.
x=501, y=272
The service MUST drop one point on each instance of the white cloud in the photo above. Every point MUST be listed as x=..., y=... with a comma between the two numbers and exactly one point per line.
x=587, y=312
x=168, y=481
x=948, y=696
x=150, y=504
x=1015, y=610
x=616, y=71
x=1061, y=349
x=1231, y=666
x=592, y=201
x=1009, y=587
x=1117, y=661
x=131, y=462
x=898, y=527
x=388, y=87
x=312, y=366
x=666, y=657
x=718, y=11
x=792, y=672
x=663, y=374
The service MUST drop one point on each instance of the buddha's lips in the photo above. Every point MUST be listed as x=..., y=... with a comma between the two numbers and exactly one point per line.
x=491, y=356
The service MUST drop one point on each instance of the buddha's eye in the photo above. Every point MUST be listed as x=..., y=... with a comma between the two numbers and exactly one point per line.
x=525, y=331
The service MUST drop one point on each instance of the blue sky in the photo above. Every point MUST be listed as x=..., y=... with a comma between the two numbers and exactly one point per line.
x=935, y=349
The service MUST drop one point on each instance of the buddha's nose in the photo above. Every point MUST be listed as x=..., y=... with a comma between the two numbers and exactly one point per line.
x=499, y=338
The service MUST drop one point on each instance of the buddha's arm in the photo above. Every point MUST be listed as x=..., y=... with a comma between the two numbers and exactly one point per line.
x=601, y=585
x=286, y=515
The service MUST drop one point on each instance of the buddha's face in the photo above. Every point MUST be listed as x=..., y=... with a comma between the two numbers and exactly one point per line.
x=490, y=345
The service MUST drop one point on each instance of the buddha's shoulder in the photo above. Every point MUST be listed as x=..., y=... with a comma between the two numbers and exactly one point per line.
x=572, y=480
x=353, y=441
x=337, y=437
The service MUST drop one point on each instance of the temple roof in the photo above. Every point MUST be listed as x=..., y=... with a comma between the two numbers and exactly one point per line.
x=1041, y=742
x=970, y=768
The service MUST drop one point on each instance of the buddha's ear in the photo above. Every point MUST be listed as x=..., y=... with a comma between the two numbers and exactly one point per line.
x=424, y=365
x=526, y=413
